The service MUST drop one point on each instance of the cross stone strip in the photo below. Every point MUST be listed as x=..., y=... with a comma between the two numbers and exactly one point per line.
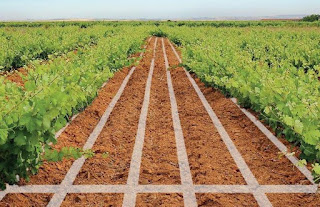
x=163, y=189
x=187, y=187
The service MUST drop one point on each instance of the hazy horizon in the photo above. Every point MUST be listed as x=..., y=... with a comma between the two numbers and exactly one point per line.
x=142, y=9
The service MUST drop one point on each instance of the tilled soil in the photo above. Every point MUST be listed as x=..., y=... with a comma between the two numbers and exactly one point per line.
x=25, y=199
x=92, y=199
x=209, y=159
x=160, y=199
x=294, y=200
x=16, y=76
x=226, y=200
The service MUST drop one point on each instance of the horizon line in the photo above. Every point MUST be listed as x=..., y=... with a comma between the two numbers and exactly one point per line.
x=221, y=18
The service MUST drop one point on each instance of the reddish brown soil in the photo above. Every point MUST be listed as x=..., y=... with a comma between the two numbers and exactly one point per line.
x=294, y=200
x=23, y=200
x=209, y=159
x=226, y=200
x=118, y=136
x=159, y=160
x=78, y=200
x=16, y=76
x=158, y=199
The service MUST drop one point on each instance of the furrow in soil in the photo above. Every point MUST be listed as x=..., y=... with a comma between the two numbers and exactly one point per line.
x=93, y=199
x=294, y=199
x=159, y=199
x=25, y=199
x=227, y=200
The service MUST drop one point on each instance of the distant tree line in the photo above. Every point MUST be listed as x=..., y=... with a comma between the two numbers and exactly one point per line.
x=311, y=18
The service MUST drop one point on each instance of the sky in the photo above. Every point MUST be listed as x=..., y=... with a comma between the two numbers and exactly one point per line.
x=151, y=9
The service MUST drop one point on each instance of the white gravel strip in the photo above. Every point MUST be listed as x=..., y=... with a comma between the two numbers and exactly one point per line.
x=164, y=189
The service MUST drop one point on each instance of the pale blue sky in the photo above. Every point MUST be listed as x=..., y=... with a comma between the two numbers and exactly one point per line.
x=164, y=9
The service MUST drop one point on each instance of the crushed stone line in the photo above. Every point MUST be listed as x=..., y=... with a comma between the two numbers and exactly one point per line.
x=2, y=195
x=304, y=170
x=99, y=189
x=288, y=188
x=159, y=189
x=185, y=174
x=164, y=189
x=134, y=171
x=58, y=198
x=262, y=199
x=223, y=188
x=242, y=165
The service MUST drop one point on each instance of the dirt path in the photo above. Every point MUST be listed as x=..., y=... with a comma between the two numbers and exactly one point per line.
x=162, y=139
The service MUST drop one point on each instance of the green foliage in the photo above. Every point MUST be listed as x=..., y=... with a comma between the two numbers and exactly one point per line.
x=176, y=40
x=18, y=46
x=30, y=116
x=273, y=71
x=51, y=155
x=158, y=33
x=216, y=24
x=316, y=172
x=311, y=18
x=105, y=155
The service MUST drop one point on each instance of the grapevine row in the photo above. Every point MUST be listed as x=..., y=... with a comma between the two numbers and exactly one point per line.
x=273, y=71
x=54, y=92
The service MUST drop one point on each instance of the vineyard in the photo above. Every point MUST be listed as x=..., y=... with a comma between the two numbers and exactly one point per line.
x=159, y=113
